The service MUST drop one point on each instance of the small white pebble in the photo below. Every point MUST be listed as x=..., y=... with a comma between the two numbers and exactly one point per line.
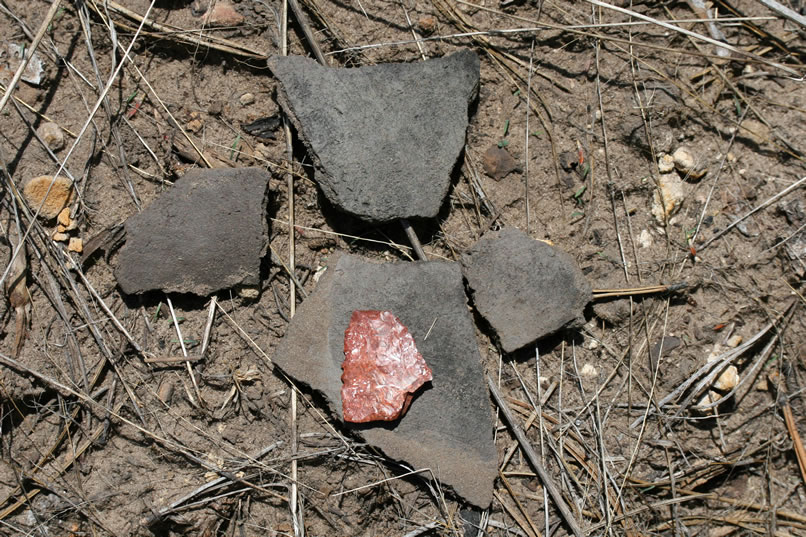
x=588, y=371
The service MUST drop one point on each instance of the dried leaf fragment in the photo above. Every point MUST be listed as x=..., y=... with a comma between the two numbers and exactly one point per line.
x=382, y=368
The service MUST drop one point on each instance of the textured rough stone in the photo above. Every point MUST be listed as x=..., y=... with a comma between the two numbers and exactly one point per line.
x=75, y=245
x=382, y=368
x=758, y=132
x=687, y=164
x=208, y=232
x=498, y=163
x=52, y=135
x=728, y=379
x=666, y=163
x=667, y=198
x=60, y=194
x=63, y=218
x=384, y=138
x=524, y=288
x=448, y=427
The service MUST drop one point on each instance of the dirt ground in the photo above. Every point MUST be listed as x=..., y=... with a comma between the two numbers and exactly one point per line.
x=97, y=440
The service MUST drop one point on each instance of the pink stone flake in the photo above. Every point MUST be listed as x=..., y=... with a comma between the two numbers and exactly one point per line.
x=382, y=368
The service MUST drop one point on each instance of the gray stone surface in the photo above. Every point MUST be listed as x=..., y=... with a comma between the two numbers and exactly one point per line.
x=448, y=427
x=208, y=232
x=524, y=288
x=383, y=138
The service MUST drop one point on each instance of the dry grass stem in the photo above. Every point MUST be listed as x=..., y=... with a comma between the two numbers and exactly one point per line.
x=531, y=455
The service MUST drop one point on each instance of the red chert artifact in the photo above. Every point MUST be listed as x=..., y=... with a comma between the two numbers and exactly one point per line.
x=382, y=368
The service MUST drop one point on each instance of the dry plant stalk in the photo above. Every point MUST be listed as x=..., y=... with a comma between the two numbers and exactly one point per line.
x=791, y=426
x=16, y=289
x=534, y=460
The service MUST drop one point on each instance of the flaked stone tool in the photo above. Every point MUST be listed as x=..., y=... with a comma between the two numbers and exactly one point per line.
x=383, y=138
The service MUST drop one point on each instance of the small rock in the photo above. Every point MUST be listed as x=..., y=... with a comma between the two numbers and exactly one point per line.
x=208, y=232
x=32, y=73
x=734, y=341
x=667, y=197
x=63, y=218
x=545, y=383
x=524, y=288
x=75, y=245
x=223, y=13
x=707, y=399
x=763, y=385
x=796, y=251
x=728, y=379
x=165, y=390
x=756, y=131
x=60, y=195
x=498, y=163
x=249, y=292
x=60, y=237
x=686, y=163
x=199, y=7
x=53, y=136
x=715, y=353
x=665, y=163
x=427, y=24
x=246, y=99
x=588, y=371
x=382, y=368
x=645, y=238
x=194, y=125
x=61, y=229
x=614, y=311
x=730, y=376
